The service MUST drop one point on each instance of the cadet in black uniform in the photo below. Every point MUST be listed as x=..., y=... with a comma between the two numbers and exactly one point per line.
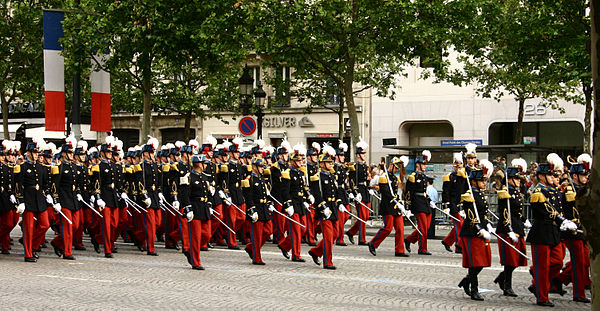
x=418, y=203
x=259, y=206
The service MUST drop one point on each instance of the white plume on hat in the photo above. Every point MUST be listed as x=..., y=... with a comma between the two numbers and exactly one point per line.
x=220, y=147
x=238, y=141
x=179, y=144
x=92, y=150
x=39, y=142
x=471, y=147
x=285, y=144
x=163, y=147
x=458, y=158
x=118, y=144
x=343, y=146
x=195, y=145
x=316, y=146
x=153, y=141
x=555, y=160
x=327, y=149
x=169, y=146
x=300, y=149
x=17, y=145
x=51, y=147
x=585, y=158
x=71, y=141
x=211, y=140
x=226, y=145
x=131, y=149
x=83, y=145
x=109, y=139
x=259, y=143
x=362, y=144
x=426, y=155
x=269, y=149
x=519, y=162
x=488, y=168
x=404, y=159
x=7, y=144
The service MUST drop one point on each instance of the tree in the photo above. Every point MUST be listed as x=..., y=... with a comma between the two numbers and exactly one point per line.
x=342, y=46
x=505, y=47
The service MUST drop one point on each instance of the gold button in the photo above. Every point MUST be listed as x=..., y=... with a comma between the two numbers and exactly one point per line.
x=37, y=187
x=153, y=187
x=112, y=185
x=73, y=187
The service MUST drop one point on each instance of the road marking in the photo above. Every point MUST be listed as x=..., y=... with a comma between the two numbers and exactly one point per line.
x=72, y=278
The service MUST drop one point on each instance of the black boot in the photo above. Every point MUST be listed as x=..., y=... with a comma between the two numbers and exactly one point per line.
x=475, y=289
x=508, y=291
x=557, y=287
x=500, y=280
x=465, y=283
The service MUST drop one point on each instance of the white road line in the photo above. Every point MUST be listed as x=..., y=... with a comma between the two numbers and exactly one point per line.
x=72, y=278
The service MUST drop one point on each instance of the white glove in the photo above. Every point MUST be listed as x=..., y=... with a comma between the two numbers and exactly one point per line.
x=176, y=204
x=222, y=194
x=327, y=212
x=568, y=225
x=92, y=200
x=407, y=213
x=490, y=229
x=358, y=197
x=101, y=203
x=57, y=207
x=342, y=208
x=212, y=190
x=189, y=216
x=433, y=206
x=513, y=237
x=12, y=198
x=227, y=201
x=306, y=205
x=447, y=211
x=484, y=234
x=351, y=196
x=462, y=214
x=124, y=196
x=210, y=210
x=254, y=217
x=271, y=208
x=311, y=199
x=21, y=208
x=49, y=199
x=290, y=210
x=161, y=197
x=372, y=192
x=527, y=224
x=148, y=201
x=79, y=197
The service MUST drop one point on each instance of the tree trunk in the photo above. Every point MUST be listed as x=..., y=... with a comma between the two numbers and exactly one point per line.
x=588, y=204
x=187, y=124
x=587, y=139
x=5, y=117
x=147, y=94
x=341, y=118
x=349, y=94
x=518, y=134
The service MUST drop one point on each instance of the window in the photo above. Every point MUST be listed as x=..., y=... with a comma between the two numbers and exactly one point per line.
x=282, y=91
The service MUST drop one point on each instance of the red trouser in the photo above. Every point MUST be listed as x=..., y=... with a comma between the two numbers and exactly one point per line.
x=150, y=222
x=197, y=235
x=214, y=223
x=230, y=220
x=325, y=246
x=34, y=232
x=64, y=240
x=342, y=218
x=78, y=230
x=310, y=226
x=158, y=220
x=566, y=275
x=293, y=238
x=184, y=229
x=279, y=224
x=510, y=257
x=171, y=228
x=547, y=262
x=206, y=230
x=451, y=238
x=423, y=221
x=122, y=223
x=259, y=233
x=360, y=227
x=7, y=224
x=389, y=222
x=107, y=227
x=576, y=270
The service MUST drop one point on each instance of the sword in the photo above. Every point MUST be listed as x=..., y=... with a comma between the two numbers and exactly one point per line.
x=373, y=193
x=406, y=216
x=164, y=208
x=363, y=204
x=167, y=204
x=135, y=205
x=447, y=214
x=90, y=207
x=128, y=212
x=357, y=218
x=233, y=204
x=387, y=174
x=492, y=213
x=280, y=213
x=517, y=250
x=226, y=226
x=65, y=216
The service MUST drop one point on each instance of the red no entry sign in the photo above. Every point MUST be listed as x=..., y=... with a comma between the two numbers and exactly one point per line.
x=247, y=126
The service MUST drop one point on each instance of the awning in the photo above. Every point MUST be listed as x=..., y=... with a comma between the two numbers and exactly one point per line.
x=41, y=132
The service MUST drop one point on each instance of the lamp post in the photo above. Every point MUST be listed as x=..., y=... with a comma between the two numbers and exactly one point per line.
x=259, y=94
x=246, y=84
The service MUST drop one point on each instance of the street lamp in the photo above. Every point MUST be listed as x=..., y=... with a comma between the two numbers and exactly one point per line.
x=246, y=84
x=259, y=94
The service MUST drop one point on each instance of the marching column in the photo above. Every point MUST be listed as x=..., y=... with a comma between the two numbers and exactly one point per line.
x=419, y=204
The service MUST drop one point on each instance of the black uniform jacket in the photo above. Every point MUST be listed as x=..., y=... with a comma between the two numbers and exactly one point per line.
x=513, y=197
x=472, y=224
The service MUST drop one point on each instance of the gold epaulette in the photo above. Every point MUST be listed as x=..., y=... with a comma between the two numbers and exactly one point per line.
x=461, y=172
x=267, y=171
x=54, y=170
x=174, y=167
x=314, y=177
x=275, y=165
x=129, y=170
x=383, y=179
x=411, y=177
x=137, y=168
x=249, y=168
x=537, y=197
x=286, y=174
x=303, y=170
x=446, y=178
x=503, y=194
x=570, y=195
x=245, y=183
x=166, y=168
x=96, y=168
x=17, y=169
x=467, y=197
x=351, y=166
x=223, y=168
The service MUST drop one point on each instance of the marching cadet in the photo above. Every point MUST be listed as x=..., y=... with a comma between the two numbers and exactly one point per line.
x=312, y=164
x=149, y=184
x=280, y=165
x=34, y=195
x=327, y=203
x=295, y=197
x=123, y=217
x=259, y=205
x=221, y=159
x=182, y=171
x=544, y=235
x=199, y=211
x=341, y=175
x=454, y=185
x=511, y=225
x=391, y=209
x=359, y=181
x=169, y=171
x=419, y=203
x=211, y=170
x=577, y=268
x=83, y=185
x=8, y=201
x=475, y=232
x=232, y=194
x=105, y=190
x=65, y=179
x=471, y=156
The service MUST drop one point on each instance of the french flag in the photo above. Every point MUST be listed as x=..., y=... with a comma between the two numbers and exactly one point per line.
x=100, y=81
x=54, y=71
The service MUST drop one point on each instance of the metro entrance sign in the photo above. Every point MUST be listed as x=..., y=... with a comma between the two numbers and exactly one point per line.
x=460, y=142
x=247, y=126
